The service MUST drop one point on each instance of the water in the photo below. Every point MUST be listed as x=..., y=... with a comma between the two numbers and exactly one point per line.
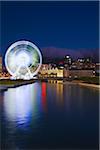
x=49, y=116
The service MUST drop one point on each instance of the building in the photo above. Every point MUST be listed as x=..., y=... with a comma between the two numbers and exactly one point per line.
x=77, y=65
x=0, y=64
x=97, y=69
x=78, y=73
x=47, y=71
x=82, y=63
x=67, y=60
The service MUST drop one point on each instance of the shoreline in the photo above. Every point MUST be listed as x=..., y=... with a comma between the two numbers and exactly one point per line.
x=82, y=83
x=4, y=87
x=90, y=85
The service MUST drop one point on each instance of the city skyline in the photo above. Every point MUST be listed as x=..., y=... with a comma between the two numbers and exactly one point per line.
x=49, y=75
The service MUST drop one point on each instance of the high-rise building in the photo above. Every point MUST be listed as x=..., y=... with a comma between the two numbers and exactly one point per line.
x=67, y=60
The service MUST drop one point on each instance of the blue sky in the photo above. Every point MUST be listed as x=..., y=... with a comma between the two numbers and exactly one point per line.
x=70, y=25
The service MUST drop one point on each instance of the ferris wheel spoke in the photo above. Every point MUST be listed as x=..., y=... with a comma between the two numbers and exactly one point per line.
x=17, y=71
x=29, y=71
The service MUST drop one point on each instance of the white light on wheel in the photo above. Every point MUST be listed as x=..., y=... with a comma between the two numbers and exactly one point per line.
x=22, y=59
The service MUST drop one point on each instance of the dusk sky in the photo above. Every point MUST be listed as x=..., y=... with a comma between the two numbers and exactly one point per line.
x=70, y=25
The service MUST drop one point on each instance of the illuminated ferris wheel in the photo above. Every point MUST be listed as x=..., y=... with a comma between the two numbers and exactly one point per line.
x=23, y=59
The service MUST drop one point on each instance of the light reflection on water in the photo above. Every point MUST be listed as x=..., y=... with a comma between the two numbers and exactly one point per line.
x=33, y=116
x=18, y=103
x=21, y=103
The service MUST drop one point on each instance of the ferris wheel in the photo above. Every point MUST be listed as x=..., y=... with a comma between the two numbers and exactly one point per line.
x=23, y=59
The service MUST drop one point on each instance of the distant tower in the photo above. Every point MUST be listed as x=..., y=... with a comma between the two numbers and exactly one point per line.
x=67, y=60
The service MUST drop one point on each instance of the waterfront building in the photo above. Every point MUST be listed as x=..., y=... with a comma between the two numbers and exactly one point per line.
x=78, y=73
x=50, y=72
x=46, y=72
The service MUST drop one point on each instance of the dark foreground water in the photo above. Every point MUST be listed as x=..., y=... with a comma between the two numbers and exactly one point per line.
x=49, y=116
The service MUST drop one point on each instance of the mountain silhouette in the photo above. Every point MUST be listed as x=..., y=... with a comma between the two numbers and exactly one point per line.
x=53, y=52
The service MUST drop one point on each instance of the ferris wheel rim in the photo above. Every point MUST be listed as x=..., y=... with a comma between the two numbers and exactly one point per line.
x=26, y=43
